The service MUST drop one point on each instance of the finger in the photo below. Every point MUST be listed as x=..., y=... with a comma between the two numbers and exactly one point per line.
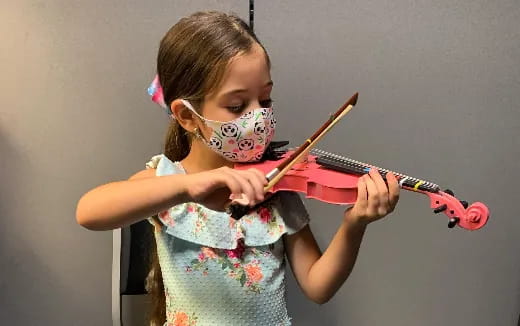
x=260, y=179
x=362, y=194
x=261, y=176
x=373, y=200
x=256, y=183
x=245, y=187
x=384, y=203
x=381, y=186
x=393, y=189
x=223, y=180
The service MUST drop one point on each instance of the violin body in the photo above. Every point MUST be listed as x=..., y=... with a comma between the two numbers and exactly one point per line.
x=311, y=179
x=336, y=183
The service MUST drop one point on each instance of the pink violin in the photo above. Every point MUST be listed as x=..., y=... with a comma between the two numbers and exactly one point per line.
x=333, y=179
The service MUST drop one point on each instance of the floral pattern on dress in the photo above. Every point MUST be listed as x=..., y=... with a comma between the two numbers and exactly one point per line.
x=166, y=215
x=191, y=221
x=249, y=274
x=176, y=317
x=166, y=218
x=266, y=217
x=181, y=318
x=202, y=217
x=194, y=232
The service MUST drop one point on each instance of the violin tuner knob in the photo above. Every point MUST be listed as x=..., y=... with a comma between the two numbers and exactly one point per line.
x=464, y=204
x=441, y=208
x=449, y=192
x=453, y=221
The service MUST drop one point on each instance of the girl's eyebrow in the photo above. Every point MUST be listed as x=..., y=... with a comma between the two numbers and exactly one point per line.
x=240, y=90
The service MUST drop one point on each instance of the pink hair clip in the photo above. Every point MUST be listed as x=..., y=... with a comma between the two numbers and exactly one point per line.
x=156, y=92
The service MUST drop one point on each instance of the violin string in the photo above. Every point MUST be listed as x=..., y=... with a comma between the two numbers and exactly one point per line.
x=334, y=160
x=360, y=167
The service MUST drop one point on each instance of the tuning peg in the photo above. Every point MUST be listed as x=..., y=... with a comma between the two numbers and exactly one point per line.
x=453, y=221
x=449, y=192
x=464, y=203
x=441, y=208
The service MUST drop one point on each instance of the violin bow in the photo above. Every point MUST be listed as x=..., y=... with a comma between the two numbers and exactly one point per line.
x=237, y=211
x=277, y=173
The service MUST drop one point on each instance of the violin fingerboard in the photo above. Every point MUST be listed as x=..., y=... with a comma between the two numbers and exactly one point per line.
x=344, y=164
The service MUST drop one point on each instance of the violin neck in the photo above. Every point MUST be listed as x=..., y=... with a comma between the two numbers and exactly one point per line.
x=344, y=164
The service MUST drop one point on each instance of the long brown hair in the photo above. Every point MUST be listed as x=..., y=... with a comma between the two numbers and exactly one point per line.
x=192, y=59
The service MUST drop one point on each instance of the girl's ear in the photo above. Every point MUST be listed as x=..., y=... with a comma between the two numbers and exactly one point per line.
x=183, y=115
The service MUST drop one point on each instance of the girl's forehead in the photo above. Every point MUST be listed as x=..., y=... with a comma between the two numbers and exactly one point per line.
x=248, y=70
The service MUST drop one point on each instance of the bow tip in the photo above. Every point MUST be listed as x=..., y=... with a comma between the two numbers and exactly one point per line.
x=354, y=98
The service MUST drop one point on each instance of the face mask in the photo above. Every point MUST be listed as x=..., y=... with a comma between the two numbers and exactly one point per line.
x=243, y=139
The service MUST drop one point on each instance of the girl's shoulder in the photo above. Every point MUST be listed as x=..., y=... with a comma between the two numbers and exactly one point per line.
x=143, y=174
x=150, y=169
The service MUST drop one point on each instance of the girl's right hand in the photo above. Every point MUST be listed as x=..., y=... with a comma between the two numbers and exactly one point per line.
x=215, y=188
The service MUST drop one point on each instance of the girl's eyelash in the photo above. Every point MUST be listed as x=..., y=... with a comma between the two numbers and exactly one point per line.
x=238, y=108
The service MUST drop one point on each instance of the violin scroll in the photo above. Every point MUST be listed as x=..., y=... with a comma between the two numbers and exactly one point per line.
x=471, y=217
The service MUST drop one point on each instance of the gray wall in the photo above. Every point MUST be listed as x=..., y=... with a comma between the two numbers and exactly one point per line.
x=439, y=95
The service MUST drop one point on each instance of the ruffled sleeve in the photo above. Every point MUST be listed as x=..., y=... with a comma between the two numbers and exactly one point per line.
x=293, y=211
x=284, y=213
x=154, y=161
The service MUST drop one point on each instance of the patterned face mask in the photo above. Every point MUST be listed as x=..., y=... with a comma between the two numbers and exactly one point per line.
x=243, y=139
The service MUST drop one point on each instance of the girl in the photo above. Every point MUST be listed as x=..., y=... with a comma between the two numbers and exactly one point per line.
x=210, y=269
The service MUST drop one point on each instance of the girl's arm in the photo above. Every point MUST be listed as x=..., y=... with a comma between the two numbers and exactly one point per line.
x=122, y=203
x=321, y=275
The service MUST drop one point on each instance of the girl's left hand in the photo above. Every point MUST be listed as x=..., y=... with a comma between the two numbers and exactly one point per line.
x=375, y=198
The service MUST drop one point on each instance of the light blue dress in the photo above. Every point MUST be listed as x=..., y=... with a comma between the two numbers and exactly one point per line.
x=218, y=271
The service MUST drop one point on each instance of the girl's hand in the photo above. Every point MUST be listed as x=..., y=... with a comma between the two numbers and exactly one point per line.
x=215, y=188
x=375, y=199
